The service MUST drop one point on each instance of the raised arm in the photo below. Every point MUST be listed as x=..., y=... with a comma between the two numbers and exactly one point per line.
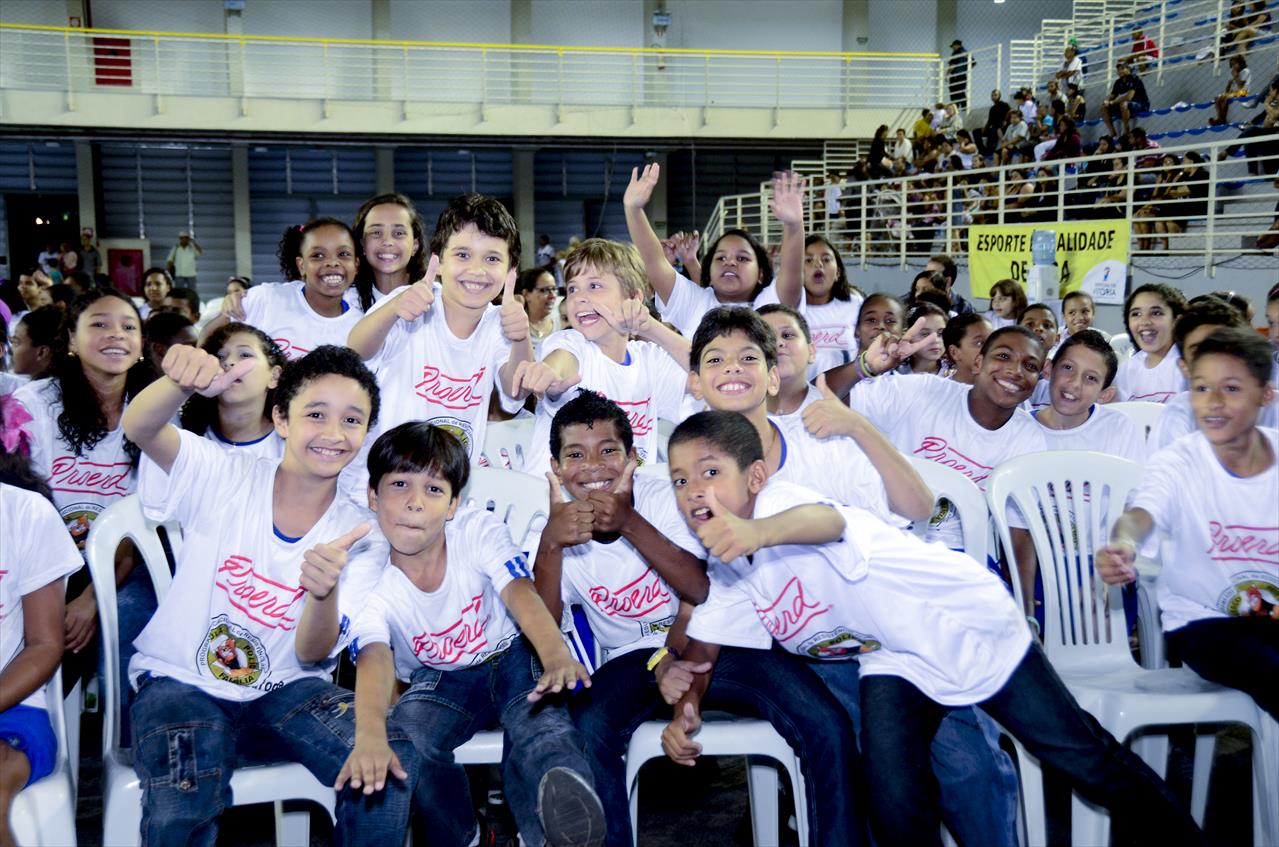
x=787, y=206
x=638, y=193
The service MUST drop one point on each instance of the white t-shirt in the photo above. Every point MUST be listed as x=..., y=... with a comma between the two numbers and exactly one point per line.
x=1105, y=431
x=10, y=383
x=1223, y=532
x=833, y=327
x=1136, y=381
x=269, y=446
x=835, y=467
x=463, y=622
x=183, y=259
x=34, y=551
x=904, y=608
x=928, y=418
x=82, y=485
x=1076, y=68
x=226, y=625
x=690, y=302
x=628, y=605
x=648, y=385
x=832, y=194
x=281, y=311
x=811, y=396
x=1178, y=419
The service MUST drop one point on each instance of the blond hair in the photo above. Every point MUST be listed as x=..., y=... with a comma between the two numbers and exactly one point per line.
x=621, y=260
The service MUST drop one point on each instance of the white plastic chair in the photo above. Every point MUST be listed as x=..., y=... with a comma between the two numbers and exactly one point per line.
x=121, y=791
x=505, y=443
x=1122, y=345
x=521, y=500
x=968, y=501
x=748, y=737
x=1140, y=412
x=1085, y=635
x=664, y=430
x=43, y=813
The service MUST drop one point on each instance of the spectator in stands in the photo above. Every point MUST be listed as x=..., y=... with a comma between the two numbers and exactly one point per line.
x=238, y=284
x=184, y=301
x=545, y=252
x=988, y=139
x=1041, y=129
x=1015, y=134
x=1244, y=26
x=1068, y=144
x=1142, y=224
x=181, y=263
x=1027, y=104
x=1264, y=153
x=949, y=123
x=881, y=166
x=965, y=148
x=1236, y=86
x=946, y=266
x=1114, y=191
x=90, y=258
x=902, y=148
x=1053, y=92
x=1092, y=180
x=1072, y=68
x=165, y=329
x=958, y=73
x=1076, y=106
x=1127, y=98
x=1143, y=50
x=1184, y=197
x=922, y=130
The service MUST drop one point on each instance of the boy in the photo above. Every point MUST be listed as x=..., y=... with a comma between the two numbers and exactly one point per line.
x=621, y=550
x=646, y=377
x=1083, y=373
x=796, y=357
x=456, y=617
x=237, y=658
x=843, y=454
x=933, y=629
x=1077, y=311
x=441, y=364
x=1213, y=494
x=1199, y=320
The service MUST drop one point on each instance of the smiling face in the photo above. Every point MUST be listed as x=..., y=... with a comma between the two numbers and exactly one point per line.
x=1150, y=320
x=253, y=385
x=698, y=466
x=1078, y=313
x=1226, y=397
x=539, y=299
x=1272, y=321
x=878, y=315
x=1042, y=323
x=324, y=426
x=388, y=240
x=1008, y=371
x=592, y=458
x=734, y=269
x=794, y=353
x=107, y=337
x=1077, y=379
x=473, y=268
x=588, y=292
x=327, y=264
x=820, y=273
x=733, y=374
x=964, y=355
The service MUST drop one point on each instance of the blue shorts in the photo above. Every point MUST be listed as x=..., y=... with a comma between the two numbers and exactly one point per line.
x=27, y=730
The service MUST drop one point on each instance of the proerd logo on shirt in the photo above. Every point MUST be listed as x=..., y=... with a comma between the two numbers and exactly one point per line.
x=449, y=391
x=264, y=600
x=1153, y=397
x=79, y=476
x=457, y=642
x=637, y=413
x=636, y=599
x=934, y=448
x=827, y=337
x=1237, y=543
x=289, y=349
x=790, y=612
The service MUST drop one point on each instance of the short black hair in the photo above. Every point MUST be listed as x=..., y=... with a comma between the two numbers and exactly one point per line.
x=1042, y=307
x=730, y=432
x=957, y=328
x=588, y=408
x=322, y=361
x=761, y=259
x=489, y=216
x=724, y=320
x=43, y=325
x=1172, y=296
x=1077, y=294
x=1016, y=329
x=161, y=326
x=1096, y=342
x=1243, y=344
x=790, y=312
x=1206, y=311
x=187, y=294
x=420, y=447
x=62, y=293
x=948, y=267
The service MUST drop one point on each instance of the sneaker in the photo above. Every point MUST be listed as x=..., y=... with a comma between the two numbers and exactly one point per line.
x=570, y=811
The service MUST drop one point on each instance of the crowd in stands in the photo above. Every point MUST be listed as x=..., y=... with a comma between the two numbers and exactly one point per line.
x=313, y=437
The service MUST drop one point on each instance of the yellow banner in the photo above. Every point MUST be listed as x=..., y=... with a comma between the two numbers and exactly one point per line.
x=1091, y=255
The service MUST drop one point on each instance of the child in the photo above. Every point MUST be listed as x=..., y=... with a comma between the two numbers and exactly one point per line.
x=954, y=638
x=963, y=338
x=795, y=358
x=1152, y=374
x=831, y=308
x=241, y=650
x=1077, y=310
x=162, y=330
x=456, y=617
x=1040, y=319
x=1272, y=322
x=1082, y=375
x=927, y=323
x=35, y=554
x=184, y=301
x=1212, y=494
x=441, y=365
x=321, y=254
x=622, y=551
x=646, y=377
x=737, y=271
x=880, y=313
x=32, y=343
x=389, y=235
x=240, y=417
x=1007, y=301
x=156, y=285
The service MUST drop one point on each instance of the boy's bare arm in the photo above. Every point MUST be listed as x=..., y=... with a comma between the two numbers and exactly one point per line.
x=372, y=757
x=560, y=670
x=1116, y=562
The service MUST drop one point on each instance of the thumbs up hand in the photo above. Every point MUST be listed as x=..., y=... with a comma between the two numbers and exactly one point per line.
x=322, y=565
x=514, y=318
x=418, y=299
x=726, y=536
x=570, y=522
x=614, y=508
x=829, y=416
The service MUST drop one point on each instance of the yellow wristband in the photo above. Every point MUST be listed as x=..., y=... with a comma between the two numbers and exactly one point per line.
x=655, y=659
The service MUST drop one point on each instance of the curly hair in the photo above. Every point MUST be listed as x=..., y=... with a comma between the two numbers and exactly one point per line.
x=417, y=262
x=200, y=412
x=291, y=244
x=323, y=360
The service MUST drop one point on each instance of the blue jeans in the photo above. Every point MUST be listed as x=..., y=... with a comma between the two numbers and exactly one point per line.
x=977, y=780
x=767, y=684
x=135, y=604
x=899, y=722
x=442, y=710
x=188, y=743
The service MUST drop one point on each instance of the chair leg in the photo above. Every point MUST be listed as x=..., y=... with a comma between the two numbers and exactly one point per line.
x=71, y=714
x=762, y=786
x=1265, y=769
x=1089, y=824
x=1032, y=798
x=292, y=829
x=1205, y=748
x=1152, y=748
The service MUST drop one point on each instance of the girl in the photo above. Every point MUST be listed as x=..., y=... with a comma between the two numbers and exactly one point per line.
x=1007, y=302
x=880, y=313
x=963, y=339
x=389, y=235
x=736, y=271
x=1152, y=374
x=926, y=322
x=1077, y=310
x=32, y=343
x=537, y=287
x=320, y=261
x=1236, y=86
x=795, y=355
x=240, y=417
x=238, y=284
x=832, y=305
x=156, y=284
x=1040, y=320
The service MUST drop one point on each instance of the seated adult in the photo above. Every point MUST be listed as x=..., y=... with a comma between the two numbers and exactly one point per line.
x=1127, y=97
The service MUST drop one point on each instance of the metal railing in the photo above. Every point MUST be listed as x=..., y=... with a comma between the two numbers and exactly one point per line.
x=161, y=64
x=1203, y=214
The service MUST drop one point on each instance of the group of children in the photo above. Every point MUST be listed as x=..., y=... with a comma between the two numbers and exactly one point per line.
x=315, y=445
